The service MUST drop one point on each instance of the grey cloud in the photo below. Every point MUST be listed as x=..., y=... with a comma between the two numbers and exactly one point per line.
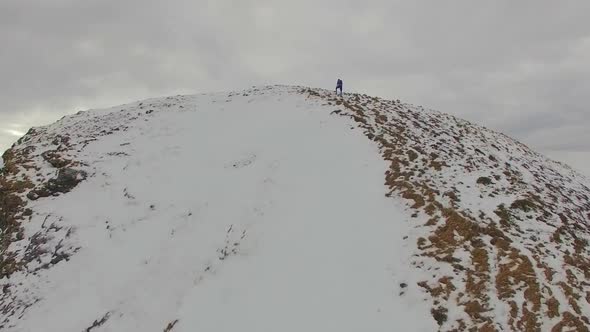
x=518, y=67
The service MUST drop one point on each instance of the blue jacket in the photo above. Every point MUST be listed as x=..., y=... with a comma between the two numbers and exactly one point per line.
x=339, y=83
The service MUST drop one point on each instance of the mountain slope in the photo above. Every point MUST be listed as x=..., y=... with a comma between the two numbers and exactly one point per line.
x=506, y=229
x=266, y=210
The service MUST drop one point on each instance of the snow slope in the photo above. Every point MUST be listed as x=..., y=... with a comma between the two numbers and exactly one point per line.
x=287, y=208
x=257, y=212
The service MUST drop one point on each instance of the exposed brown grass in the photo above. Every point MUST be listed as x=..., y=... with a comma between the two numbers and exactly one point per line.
x=504, y=214
x=547, y=271
x=474, y=309
x=414, y=196
x=456, y=230
x=453, y=229
x=517, y=273
x=552, y=307
x=570, y=322
x=11, y=209
x=452, y=196
x=571, y=296
x=581, y=262
x=431, y=209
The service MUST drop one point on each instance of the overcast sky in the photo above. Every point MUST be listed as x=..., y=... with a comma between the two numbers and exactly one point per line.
x=520, y=67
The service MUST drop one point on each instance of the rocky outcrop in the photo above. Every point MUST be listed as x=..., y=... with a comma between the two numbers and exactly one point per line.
x=20, y=183
x=66, y=180
x=55, y=159
x=12, y=205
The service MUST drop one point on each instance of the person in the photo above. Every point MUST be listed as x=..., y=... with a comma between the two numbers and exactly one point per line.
x=339, y=86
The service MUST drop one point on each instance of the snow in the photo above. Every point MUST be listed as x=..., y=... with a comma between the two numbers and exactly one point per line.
x=250, y=212
x=266, y=210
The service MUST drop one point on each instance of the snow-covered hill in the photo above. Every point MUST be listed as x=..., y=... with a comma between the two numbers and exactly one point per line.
x=287, y=209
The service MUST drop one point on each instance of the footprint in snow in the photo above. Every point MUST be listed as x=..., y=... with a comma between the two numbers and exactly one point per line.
x=244, y=162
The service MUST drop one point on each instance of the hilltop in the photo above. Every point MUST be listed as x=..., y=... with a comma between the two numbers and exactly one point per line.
x=288, y=208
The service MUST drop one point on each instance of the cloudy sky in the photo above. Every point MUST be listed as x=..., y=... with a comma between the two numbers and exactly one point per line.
x=520, y=67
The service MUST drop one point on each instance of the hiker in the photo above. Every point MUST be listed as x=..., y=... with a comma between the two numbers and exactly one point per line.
x=339, y=86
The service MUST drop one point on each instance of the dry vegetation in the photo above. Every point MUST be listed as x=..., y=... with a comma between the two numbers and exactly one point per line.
x=507, y=247
x=40, y=164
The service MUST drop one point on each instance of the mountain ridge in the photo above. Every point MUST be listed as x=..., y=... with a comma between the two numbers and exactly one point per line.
x=498, y=233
